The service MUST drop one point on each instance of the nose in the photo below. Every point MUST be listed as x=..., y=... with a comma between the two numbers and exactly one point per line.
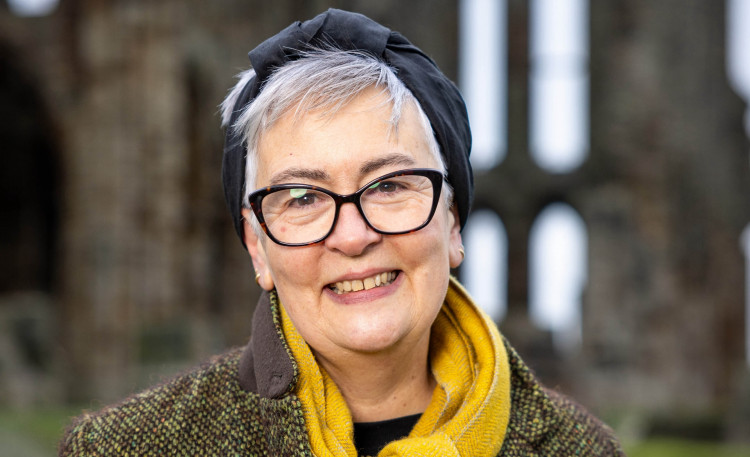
x=351, y=235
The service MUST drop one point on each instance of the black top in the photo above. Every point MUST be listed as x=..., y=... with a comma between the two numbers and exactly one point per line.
x=371, y=437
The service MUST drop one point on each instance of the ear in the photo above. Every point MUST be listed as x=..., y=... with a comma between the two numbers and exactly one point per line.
x=456, y=245
x=257, y=251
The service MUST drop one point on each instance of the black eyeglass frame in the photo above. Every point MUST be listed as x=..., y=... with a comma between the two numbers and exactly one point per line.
x=255, y=199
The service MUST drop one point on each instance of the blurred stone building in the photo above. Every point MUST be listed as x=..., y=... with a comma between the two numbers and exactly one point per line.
x=121, y=265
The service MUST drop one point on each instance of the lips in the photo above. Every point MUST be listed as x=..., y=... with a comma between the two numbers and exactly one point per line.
x=355, y=285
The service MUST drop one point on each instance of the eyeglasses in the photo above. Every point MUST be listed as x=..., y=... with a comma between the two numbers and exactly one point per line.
x=299, y=214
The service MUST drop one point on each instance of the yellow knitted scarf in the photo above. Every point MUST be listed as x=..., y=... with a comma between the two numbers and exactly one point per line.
x=470, y=407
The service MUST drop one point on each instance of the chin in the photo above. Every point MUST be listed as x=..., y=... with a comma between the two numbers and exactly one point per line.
x=373, y=339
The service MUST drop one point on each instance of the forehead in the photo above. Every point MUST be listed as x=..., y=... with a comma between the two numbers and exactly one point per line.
x=356, y=142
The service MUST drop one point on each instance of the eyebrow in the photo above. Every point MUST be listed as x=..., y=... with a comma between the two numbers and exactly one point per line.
x=395, y=158
x=314, y=174
x=290, y=174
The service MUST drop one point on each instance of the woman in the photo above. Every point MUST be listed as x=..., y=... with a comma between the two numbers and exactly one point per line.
x=346, y=170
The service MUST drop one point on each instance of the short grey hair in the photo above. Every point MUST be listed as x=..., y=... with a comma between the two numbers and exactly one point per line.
x=323, y=79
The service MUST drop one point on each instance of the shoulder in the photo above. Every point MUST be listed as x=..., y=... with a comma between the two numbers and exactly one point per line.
x=199, y=409
x=580, y=431
x=545, y=422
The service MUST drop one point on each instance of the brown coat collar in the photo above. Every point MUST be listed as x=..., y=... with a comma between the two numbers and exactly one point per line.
x=266, y=366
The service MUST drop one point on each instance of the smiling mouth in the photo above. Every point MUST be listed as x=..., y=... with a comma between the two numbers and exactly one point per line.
x=355, y=285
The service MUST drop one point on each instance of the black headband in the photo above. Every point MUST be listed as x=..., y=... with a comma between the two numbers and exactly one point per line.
x=437, y=95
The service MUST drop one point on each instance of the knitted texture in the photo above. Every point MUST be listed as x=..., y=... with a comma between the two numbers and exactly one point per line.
x=206, y=412
x=544, y=422
x=202, y=413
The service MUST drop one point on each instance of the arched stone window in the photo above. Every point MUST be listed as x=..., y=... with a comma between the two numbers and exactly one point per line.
x=28, y=182
x=483, y=77
x=558, y=270
x=485, y=270
x=558, y=80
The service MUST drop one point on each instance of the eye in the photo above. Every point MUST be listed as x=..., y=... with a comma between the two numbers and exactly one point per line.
x=386, y=187
x=301, y=197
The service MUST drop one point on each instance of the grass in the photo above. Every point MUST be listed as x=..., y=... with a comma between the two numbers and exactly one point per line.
x=36, y=429
x=670, y=447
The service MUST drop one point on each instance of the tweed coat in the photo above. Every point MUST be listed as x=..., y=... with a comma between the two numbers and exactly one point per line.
x=241, y=403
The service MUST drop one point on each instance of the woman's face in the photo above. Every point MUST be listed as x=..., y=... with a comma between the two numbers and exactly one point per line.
x=342, y=153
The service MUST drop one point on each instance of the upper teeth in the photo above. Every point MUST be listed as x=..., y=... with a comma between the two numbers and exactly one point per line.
x=355, y=285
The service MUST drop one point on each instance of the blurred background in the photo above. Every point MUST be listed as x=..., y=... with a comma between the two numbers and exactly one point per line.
x=610, y=237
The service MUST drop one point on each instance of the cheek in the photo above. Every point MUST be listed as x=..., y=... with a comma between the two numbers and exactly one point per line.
x=441, y=235
x=293, y=267
x=296, y=276
x=429, y=251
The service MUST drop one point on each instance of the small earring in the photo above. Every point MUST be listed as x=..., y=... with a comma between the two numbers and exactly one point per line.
x=463, y=254
x=257, y=278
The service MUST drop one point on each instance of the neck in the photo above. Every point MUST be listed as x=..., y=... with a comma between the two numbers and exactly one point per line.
x=381, y=386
